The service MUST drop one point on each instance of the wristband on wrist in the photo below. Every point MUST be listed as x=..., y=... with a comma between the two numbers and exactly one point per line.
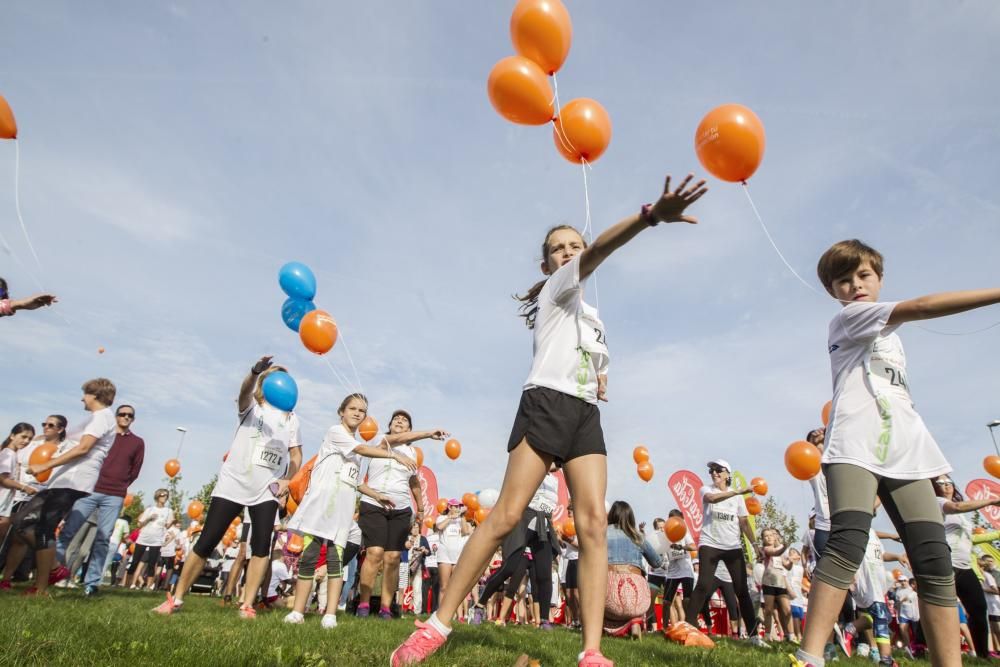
x=646, y=215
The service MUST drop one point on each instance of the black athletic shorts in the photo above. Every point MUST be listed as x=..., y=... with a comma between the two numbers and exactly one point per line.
x=656, y=581
x=557, y=424
x=42, y=513
x=776, y=591
x=572, y=569
x=384, y=529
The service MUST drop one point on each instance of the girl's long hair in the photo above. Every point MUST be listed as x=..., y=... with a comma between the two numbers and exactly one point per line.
x=18, y=429
x=622, y=517
x=529, y=301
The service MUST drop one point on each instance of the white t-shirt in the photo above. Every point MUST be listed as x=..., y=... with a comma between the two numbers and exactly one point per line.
x=992, y=599
x=258, y=455
x=154, y=532
x=795, y=574
x=8, y=468
x=775, y=573
x=354, y=535
x=907, y=598
x=279, y=573
x=570, y=551
x=391, y=478
x=821, y=501
x=958, y=532
x=869, y=582
x=720, y=526
x=23, y=475
x=450, y=527
x=81, y=473
x=545, y=499
x=327, y=509
x=169, y=547
x=873, y=423
x=570, y=345
x=120, y=530
x=433, y=542
x=679, y=562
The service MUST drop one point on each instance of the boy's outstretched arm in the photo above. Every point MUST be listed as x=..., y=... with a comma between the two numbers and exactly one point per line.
x=942, y=304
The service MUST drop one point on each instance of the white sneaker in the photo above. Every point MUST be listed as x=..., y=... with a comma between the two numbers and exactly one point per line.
x=295, y=618
x=758, y=642
x=342, y=607
x=329, y=621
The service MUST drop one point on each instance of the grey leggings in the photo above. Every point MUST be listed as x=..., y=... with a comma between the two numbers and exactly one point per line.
x=913, y=510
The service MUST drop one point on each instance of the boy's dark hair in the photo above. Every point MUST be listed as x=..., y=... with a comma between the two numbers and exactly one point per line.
x=843, y=258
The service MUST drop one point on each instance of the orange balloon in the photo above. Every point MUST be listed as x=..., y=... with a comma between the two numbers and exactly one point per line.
x=730, y=142
x=318, y=331
x=470, y=501
x=42, y=454
x=368, y=429
x=453, y=449
x=759, y=486
x=897, y=573
x=802, y=460
x=481, y=514
x=442, y=505
x=640, y=454
x=542, y=32
x=420, y=456
x=128, y=499
x=428, y=523
x=8, y=126
x=100, y=350
x=990, y=463
x=172, y=467
x=582, y=131
x=645, y=471
x=675, y=529
x=131, y=548
x=825, y=413
x=470, y=514
x=520, y=92
x=569, y=528
x=295, y=544
x=753, y=506
x=195, y=509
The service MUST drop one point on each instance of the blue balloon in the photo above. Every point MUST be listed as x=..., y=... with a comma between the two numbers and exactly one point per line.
x=281, y=391
x=297, y=281
x=293, y=310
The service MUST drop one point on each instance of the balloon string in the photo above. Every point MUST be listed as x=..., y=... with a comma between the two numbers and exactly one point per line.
x=340, y=378
x=746, y=189
x=588, y=228
x=17, y=202
x=347, y=350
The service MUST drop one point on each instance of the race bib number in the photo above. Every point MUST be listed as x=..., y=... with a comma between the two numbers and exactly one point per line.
x=349, y=473
x=271, y=458
x=592, y=336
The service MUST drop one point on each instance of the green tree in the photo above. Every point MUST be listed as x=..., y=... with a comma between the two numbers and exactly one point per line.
x=773, y=516
x=132, y=512
x=205, y=496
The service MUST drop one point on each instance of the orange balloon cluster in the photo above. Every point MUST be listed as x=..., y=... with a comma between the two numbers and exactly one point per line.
x=453, y=449
x=519, y=89
x=195, y=509
x=40, y=455
x=368, y=429
x=643, y=467
x=8, y=126
x=730, y=142
x=470, y=501
x=318, y=331
x=991, y=464
x=172, y=467
x=675, y=529
x=802, y=460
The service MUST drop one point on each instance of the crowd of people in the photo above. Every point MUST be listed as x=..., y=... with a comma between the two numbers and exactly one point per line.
x=304, y=527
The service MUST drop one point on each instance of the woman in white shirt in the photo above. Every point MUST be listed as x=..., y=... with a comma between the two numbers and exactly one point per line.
x=958, y=531
x=153, y=524
x=265, y=452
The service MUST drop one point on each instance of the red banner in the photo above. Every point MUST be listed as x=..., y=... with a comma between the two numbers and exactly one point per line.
x=686, y=487
x=983, y=489
x=429, y=491
x=560, y=512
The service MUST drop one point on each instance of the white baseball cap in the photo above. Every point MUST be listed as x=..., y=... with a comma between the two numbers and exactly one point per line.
x=722, y=463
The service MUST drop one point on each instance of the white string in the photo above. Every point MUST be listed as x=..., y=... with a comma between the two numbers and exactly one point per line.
x=746, y=189
x=340, y=378
x=588, y=228
x=347, y=350
x=17, y=201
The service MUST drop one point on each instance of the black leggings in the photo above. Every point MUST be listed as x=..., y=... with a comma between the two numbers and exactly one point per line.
x=541, y=574
x=513, y=564
x=708, y=558
x=221, y=513
x=671, y=590
x=144, y=554
x=970, y=592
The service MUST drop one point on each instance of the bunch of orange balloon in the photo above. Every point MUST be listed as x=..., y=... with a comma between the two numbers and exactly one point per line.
x=518, y=86
x=759, y=486
x=643, y=467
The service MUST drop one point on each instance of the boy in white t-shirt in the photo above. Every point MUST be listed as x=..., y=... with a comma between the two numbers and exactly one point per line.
x=990, y=576
x=877, y=444
x=75, y=474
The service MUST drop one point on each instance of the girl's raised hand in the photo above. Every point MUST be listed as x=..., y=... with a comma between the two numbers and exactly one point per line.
x=671, y=205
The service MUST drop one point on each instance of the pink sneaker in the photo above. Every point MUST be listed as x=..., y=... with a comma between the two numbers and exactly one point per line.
x=424, y=641
x=247, y=613
x=594, y=658
x=57, y=574
x=168, y=606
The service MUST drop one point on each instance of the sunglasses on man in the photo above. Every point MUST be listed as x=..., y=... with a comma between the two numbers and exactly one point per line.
x=127, y=415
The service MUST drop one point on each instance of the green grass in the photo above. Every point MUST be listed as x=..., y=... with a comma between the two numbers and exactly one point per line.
x=119, y=629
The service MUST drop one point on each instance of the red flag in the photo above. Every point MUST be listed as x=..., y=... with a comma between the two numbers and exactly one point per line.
x=686, y=487
x=429, y=491
x=982, y=489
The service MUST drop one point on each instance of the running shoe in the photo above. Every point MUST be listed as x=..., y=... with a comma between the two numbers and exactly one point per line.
x=420, y=645
x=58, y=573
x=545, y=626
x=593, y=658
x=329, y=622
x=294, y=618
x=247, y=612
x=363, y=611
x=758, y=642
x=844, y=639
x=168, y=606
x=385, y=614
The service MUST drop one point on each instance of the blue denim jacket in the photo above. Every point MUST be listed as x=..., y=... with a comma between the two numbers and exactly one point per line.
x=623, y=551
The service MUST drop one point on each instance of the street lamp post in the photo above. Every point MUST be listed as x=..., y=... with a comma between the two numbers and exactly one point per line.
x=181, y=444
x=992, y=425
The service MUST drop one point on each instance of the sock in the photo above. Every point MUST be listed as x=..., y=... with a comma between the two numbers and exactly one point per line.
x=805, y=657
x=438, y=625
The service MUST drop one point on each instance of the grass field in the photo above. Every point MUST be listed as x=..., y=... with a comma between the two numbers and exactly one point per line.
x=119, y=629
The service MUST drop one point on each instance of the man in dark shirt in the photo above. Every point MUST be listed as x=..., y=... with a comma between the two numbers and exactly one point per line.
x=119, y=470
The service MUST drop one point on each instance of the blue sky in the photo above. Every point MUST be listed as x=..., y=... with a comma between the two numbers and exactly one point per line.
x=173, y=156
